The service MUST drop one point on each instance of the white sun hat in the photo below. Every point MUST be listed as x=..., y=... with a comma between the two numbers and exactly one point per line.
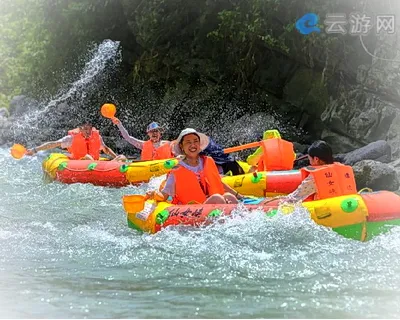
x=204, y=140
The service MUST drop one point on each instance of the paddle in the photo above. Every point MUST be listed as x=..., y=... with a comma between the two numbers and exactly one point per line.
x=108, y=110
x=252, y=145
x=18, y=151
x=135, y=202
x=243, y=146
x=269, y=134
x=301, y=157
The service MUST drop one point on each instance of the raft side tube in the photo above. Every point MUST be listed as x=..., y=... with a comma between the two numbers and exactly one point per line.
x=138, y=172
x=282, y=182
x=265, y=183
x=101, y=173
x=248, y=184
x=339, y=211
x=382, y=205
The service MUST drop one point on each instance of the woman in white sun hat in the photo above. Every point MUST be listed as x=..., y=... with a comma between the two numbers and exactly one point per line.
x=196, y=178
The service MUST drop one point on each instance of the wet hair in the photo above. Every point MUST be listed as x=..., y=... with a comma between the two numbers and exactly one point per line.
x=322, y=150
x=86, y=124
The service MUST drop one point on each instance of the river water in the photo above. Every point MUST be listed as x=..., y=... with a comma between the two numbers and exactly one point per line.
x=66, y=252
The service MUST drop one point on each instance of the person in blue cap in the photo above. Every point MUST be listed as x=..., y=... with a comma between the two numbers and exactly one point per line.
x=152, y=149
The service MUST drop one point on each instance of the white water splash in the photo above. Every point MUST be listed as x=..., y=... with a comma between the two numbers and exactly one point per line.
x=107, y=54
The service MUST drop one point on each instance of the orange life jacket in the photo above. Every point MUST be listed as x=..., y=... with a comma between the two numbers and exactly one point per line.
x=81, y=146
x=187, y=185
x=332, y=180
x=150, y=153
x=278, y=154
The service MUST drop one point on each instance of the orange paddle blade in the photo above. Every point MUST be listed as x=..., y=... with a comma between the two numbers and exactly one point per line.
x=243, y=146
x=108, y=110
x=18, y=151
x=133, y=203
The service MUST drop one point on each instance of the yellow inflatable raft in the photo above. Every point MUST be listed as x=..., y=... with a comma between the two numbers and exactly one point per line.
x=59, y=167
x=358, y=216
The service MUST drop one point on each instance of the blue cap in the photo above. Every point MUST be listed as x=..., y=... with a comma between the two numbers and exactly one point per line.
x=153, y=126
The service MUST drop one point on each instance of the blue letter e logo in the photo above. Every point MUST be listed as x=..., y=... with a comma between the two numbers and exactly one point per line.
x=307, y=23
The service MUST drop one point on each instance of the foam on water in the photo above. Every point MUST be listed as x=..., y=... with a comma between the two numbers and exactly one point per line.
x=66, y=250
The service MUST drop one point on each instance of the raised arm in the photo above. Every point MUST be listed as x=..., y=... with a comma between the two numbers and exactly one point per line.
x=132, y=140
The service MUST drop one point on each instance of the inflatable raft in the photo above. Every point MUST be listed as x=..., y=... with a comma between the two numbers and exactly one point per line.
x=59, y=167
x=358, y=216
x=265, y=184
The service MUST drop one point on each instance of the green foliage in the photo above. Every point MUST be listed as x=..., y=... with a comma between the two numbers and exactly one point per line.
x=22, y=47
x=204, y=42
x=242, y=34
x=177, y=43
x=42, y=41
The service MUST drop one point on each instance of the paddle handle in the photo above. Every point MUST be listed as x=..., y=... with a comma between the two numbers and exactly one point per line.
x=242, y=147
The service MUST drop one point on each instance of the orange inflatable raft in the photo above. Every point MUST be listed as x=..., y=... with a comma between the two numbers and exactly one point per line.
x=359, y=216
x=59, y=167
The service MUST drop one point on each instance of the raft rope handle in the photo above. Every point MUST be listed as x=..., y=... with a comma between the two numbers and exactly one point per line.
x=130, y=165
x=83, y=170
x=105, y=170
x=365, y=189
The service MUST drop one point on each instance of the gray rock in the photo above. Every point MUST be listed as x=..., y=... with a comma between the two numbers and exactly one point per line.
x=339, y=142
x=395, y=163
x=375, y=175
x=384, y=75
x=250, y=127
x=393, y=136
x=378, y=151
x=5, y=126
x=300, y=148
x=359, y=115
x=4, y=113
